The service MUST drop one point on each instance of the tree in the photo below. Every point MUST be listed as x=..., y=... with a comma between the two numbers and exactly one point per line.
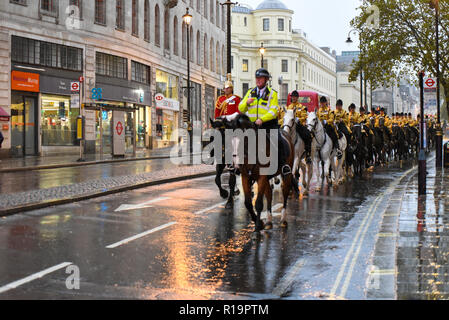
x=402, y=43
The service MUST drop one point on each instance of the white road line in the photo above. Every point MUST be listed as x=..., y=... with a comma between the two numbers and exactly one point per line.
x=35, y=276
x=210, y=208
x=126, y=207
x=282, y=288
x=140, y=235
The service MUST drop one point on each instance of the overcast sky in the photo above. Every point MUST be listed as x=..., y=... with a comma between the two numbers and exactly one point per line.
x=326, y=22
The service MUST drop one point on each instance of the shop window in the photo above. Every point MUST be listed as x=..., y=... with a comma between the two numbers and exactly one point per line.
x=58, y=121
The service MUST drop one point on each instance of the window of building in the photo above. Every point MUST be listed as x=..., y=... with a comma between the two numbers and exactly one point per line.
x=146, y=21
x=157, y=26
x=245, y=21
x=280, y=24
x=245, y=88
x=206, y=45
x=111, y=66
x=140, y=72
x=51, y=6
x=217, y=59
x=100, y=12
x=46, y=54
x=135, y=18
x=232, y=62
x=198, y=48
x=211, y=53
x=175, y=36
x=120, y=14
x=211, y=11
x=217, y=13
x=205, y=9
x=284, y=65
x=245, y=65
x=297, y=67
x=266, y=24
x=289, y=25
x=198, y=6
x=192, y=48
x=24, y=2
x=79, y=5
x=167, y=29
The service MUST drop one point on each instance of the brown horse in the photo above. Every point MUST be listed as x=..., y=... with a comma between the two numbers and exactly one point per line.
x=252, y=173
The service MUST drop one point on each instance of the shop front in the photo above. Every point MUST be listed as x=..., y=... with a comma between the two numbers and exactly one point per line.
x=119, y=101
x=59, y=110
x=167, y=110
x=24, y=118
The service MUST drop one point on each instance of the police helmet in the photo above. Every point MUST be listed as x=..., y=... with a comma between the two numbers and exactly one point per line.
x=262, y=73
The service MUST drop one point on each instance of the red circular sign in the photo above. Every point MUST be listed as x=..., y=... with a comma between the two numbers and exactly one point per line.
x=81, y=79
x=430, y=83
x=75, y=86
x=119, y=128
x=159, y=98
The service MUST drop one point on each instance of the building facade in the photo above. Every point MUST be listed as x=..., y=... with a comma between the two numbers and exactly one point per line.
x=293, y=61
x=125, y=52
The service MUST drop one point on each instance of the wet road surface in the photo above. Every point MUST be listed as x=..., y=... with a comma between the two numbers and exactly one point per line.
x=176, y=241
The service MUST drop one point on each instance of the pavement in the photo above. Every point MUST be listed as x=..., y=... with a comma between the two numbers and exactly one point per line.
x=61, y=161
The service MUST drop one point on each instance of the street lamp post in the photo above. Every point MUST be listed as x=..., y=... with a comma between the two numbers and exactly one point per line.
x=187, y=20
x=228, y=4
x=439, y=134
x=262, y=52
x=349, y=41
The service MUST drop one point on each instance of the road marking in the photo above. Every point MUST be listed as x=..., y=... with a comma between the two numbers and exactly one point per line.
x=147, y=204
x=210, y=208
x=283, y=286
x=357, y=253
x=348, y=255
x=35, y=276
x=338, y=212
x=274, y=208
x=140, y=235
x=386, y=235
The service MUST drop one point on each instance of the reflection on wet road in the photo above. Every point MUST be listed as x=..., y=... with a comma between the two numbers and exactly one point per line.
x=176, y=241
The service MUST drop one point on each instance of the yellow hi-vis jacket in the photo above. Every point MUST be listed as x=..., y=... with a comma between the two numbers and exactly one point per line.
x=264, y=108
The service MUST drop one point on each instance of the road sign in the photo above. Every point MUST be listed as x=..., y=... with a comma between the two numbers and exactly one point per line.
x=97, y=94
x=430, y=83
x=119, y=128
x=75, y=86
x=81, y=79
x=159, y=97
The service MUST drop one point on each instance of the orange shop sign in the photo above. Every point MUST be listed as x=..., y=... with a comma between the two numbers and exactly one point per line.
x=24, y=81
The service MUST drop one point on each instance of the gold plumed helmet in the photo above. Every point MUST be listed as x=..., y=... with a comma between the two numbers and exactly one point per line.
x=228, y=83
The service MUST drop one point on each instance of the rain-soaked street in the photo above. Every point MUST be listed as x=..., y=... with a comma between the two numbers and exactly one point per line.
x=177, y=241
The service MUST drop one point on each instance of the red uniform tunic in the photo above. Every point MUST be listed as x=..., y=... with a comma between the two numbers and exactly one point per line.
x=226, y=106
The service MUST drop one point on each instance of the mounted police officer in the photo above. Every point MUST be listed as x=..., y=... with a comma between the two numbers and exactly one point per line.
x=261, y=105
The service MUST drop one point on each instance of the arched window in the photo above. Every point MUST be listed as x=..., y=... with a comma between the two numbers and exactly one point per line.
x=184, y=40
x=198, y=6
x=175, y=36
x=217, y=58
x=206, y=58
x=217, y=13
x=205, y=9
x=211, y=52
x=146, y=21
x=157, y=26
x=167, y=29
x=223, y=18
x=192, y=49
x=198, y=47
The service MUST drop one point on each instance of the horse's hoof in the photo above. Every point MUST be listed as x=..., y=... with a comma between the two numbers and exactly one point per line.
x=284, y=224
x=224, y=194
x=269, y=226
x=260, y=226
x=229, y=204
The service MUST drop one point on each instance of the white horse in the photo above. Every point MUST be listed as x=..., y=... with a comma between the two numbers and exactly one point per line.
x=322, y=149
x=289, y=126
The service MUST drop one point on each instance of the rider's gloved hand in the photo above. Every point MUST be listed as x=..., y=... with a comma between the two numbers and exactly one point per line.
x=325, y=122
x=259, y=122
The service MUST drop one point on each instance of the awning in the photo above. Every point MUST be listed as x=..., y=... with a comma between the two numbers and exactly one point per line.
x=3, y=113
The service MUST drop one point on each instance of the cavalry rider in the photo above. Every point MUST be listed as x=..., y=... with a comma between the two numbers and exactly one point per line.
x=353, y=116
x=341, y=116
x=382, y=118
x=366, y=120
x=326, y=116
x=261, y=105
x=228, y=103
x=301, y=119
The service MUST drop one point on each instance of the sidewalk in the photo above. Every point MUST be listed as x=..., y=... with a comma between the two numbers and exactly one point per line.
x=423, y=239
x=50, y=162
